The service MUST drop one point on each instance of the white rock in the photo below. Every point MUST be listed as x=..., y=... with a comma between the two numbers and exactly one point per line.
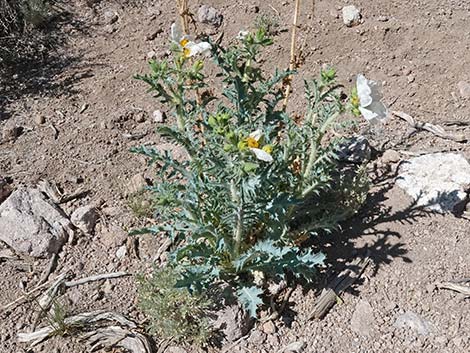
x=84, y=218
x=158, y=117
x=351, y=15
x=464, y=88
x=410, y=320
x=151, y=54
x=362, y=320
x=110, y=17
x=121, y=252
x=295, y=347
x=31, y=225
x=437, y=181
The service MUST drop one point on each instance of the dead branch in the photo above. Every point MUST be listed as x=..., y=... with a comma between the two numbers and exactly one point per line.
x=456, y=286
x=76, y=321
x=293, y=56
x=343, y=281
x=115, y=336
x=434, y=129
x=96, y=278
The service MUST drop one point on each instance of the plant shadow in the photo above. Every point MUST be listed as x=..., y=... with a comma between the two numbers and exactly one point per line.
x=366, y=235
x=32, y=62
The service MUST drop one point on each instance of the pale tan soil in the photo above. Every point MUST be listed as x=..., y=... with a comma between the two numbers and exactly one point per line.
x=419, y=53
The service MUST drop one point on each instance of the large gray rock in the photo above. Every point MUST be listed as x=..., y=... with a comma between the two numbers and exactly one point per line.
x=437, y=181
x=31, y=225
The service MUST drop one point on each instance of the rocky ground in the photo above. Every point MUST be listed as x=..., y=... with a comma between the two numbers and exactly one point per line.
x=72, y=120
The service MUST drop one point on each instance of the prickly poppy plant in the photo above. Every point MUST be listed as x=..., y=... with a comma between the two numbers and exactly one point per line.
x=256, y=180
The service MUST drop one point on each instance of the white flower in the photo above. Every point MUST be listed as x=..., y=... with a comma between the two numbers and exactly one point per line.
x=370, y=105
x=186, y=43
x=242, y=34
x=253, y=144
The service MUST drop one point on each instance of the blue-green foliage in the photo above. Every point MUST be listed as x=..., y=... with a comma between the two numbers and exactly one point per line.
x=232, y=215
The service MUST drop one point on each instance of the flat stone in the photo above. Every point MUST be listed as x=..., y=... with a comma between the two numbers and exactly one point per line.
x=436, y=181
x=362, y=320
x=32, y=225
x=390, y=156
x=351, y=15
x=464, y=89
x=84, y=218
x=414, y=322
x=233, y=322
x=121, y=252
x=113, y=236
x=136, y=184
x=110, y=17
x=269, y=327
x=257, y=338
x=295, y=347
x=175, y=349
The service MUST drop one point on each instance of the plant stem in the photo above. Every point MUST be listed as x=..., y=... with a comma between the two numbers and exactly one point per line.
x=183, y=14
x=316, y=143
x=238, y=231
x=293, y=58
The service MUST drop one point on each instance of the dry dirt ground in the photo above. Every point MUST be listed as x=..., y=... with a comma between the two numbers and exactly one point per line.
x=81, y=111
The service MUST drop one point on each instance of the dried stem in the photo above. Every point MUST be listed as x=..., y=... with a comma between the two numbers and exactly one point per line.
x=183, y=13
x=184, y=18
x=293, y=56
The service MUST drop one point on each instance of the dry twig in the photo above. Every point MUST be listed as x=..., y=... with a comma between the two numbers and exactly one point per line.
x=434, y=129
x=76, y=321
x=293, y=56
x=457, y=286
x=330, y=294
x=95, y=278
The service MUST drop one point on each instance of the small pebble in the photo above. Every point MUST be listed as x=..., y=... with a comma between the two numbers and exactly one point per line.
x=158, y=117
x=39, y=119
x=464, y=88
x=269, y=327
x=351, y=15
x=121, y=252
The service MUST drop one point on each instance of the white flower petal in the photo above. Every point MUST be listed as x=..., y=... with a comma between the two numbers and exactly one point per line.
x=363, y=90
x=199, y=48
x=262, y=155
x=256, y=135
x=242, y=34
x=369, y=95
x=176, y=34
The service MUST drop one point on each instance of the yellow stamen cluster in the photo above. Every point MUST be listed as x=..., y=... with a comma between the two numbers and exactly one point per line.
x=355, y=101
x=251, y=142
x=268, y=149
